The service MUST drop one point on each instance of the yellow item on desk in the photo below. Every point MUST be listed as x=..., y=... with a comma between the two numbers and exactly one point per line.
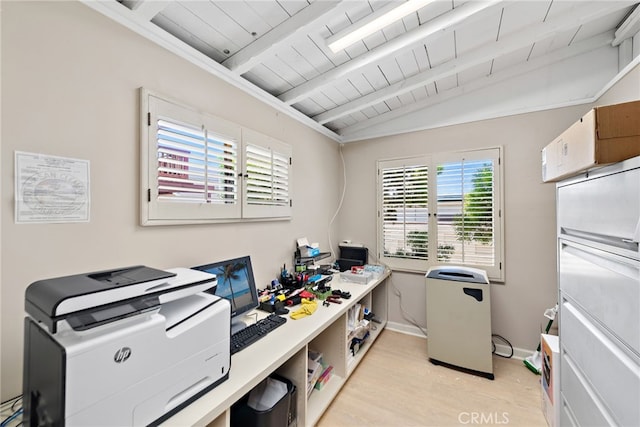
x=307, y=307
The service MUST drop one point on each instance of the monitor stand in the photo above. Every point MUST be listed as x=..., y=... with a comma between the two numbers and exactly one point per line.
x=238, y=323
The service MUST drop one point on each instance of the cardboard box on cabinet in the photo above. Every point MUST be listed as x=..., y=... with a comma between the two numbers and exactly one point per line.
x=604, y=135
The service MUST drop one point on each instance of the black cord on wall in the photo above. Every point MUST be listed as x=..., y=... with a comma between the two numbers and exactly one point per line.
x=504, y=340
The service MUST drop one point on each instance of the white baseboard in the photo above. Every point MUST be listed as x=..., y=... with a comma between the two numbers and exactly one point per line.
x=405, y=329
x=502, y=349
x=518, y=353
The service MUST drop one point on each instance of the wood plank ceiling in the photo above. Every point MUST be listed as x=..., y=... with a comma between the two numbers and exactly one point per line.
x=441, y=53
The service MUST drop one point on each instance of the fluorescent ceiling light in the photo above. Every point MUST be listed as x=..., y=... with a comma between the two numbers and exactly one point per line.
x=373, y=22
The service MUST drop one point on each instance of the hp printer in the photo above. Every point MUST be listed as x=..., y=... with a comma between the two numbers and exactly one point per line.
x=122, y=347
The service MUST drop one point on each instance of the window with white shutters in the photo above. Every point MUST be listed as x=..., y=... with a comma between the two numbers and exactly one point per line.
x=267, y=166
x=460, y=222
x=193, y=170
x=404, y=212
x=468, y=210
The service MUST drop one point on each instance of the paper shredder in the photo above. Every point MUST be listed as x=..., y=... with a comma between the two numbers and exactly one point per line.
x=459, y=319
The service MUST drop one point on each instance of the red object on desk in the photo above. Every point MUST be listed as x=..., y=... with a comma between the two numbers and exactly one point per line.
x=307, y=294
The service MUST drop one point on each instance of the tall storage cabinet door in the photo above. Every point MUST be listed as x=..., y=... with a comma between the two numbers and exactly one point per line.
x=604, y=209
x=600, y=369
x=606, y=286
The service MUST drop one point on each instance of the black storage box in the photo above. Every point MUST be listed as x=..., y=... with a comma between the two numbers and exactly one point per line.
x=282, y=414
x=352, y=256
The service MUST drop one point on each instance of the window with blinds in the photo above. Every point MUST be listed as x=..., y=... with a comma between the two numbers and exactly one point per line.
x=191, y=170
x=454, y=198
x=404, y=211
x=465, y=212
x=267, y=176
x=199, y=168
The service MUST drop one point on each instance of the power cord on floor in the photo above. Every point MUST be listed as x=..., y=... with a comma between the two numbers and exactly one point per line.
x=494, y=346
x=14, y=406
x=12, y=417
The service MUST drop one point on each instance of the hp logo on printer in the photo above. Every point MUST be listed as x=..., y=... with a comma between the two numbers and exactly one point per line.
x=122, y=355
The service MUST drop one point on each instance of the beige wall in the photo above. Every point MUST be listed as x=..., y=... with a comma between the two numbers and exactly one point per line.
x=530, y=245
x=70, y=80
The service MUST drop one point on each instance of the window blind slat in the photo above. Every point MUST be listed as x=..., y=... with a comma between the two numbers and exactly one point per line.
x=404, y=212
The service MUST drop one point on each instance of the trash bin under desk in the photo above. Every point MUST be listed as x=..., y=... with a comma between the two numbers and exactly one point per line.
x=282, y=414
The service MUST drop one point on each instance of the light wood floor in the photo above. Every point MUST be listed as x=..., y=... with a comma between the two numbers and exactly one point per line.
x=395, y=385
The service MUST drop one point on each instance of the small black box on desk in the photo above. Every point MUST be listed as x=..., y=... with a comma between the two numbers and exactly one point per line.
x=352, y=256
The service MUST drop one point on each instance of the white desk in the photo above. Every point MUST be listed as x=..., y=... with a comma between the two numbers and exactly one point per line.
x=284, y=351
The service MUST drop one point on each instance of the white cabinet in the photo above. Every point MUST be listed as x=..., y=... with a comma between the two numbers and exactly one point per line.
x=599, y=292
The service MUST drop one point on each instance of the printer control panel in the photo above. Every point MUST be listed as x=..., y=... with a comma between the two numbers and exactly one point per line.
x=98, y=316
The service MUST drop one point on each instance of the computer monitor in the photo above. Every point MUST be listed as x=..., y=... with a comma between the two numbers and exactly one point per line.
x=235, y=283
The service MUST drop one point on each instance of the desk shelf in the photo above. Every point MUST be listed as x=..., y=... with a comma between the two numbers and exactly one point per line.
x=353, y=361
x=223, y=420
x=285, y=351
x=320, y=400
x=376, y=301
x=308, y=260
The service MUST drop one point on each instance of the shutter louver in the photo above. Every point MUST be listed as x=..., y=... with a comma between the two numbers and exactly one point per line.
x=222, y=170
x=267, y=177
x=465, y=213
x=180, y=152
x=404, y=212
x=190, y=171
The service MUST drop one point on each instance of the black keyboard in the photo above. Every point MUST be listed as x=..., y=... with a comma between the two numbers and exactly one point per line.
x=252, y=333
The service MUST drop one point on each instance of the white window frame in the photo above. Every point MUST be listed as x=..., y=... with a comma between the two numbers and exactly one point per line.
x=496, y=272
x=156, y=211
